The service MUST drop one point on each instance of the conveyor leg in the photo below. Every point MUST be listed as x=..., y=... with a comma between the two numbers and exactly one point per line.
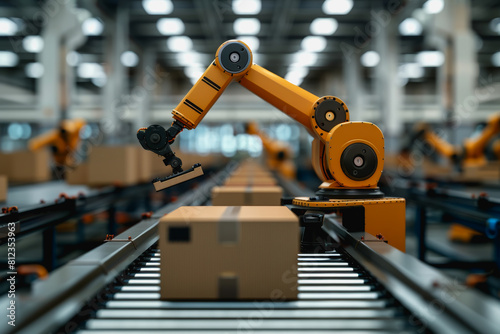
x=112, y=220
x=420, y=231
x=80, y=231
x=49, y=248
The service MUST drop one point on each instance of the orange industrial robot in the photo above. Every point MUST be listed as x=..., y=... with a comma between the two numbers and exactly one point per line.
x=347, y=156
x=63, y=141
x=279, y=155
x=475, y=151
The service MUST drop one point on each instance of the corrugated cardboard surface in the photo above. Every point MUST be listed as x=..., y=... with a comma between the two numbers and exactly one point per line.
x=78, y=175
x=113, y=165
x=27, y=166
x=250, y=180
x=3, y=188
x=4, y=164
x=145, y=164
x=260, y=265
x=242, y=195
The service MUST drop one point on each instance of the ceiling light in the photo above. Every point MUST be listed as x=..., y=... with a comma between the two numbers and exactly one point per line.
x=179, y=43
x=7, y=27
x=8, y=59
x=33, y=44
x=370, y=59
x=298, y=71
x=495, y=25
x=158, y=7
x=430, y=58
x=99, y=81
x=410, y=27
x=34, y=70
x=337, y=7
x=303, y=58
x=194, y=72
x=411, y=71
x=73, y=58
x=246, y=7
x=294, y=78
x=250, y=26
x=252, y=42
x=189, y=59
x=313, y=44
x=90, y=70
x=170, y=26
x=129, y=59
x=495, y=59
x=433, y=6
x=256, y=58
x=323, y=26
x=92, y=27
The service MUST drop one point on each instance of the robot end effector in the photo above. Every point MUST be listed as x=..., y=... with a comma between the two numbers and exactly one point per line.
x=158, y=140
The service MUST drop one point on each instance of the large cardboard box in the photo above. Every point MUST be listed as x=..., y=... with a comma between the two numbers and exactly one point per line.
x=145, y=164
x=78, y=175
x=251, y=195
x=28, y=166
x=3, y=188
x=4, y=164
x=250, y=180
x=113, y=165
x=229, y=253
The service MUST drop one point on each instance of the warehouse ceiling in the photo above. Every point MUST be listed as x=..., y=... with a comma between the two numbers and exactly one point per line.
x=283, y=26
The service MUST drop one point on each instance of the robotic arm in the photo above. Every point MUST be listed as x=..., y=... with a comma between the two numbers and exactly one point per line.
x=63, y=141
x=347, y=156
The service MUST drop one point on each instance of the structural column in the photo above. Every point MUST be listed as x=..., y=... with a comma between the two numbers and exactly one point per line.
x=387, y=88
x=61, y=34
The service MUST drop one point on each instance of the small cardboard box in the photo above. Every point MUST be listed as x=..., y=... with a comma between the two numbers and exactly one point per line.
x=3, y=188
x=242, y=195
x=113, y=165
x=29, y=166
x=78, y=175
x=217, y=252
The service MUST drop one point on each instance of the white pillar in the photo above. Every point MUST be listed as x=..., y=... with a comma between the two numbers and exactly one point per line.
x=61, y=34
x=116, y=87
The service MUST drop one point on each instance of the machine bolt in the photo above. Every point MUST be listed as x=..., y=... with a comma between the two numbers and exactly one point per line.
x=155, y=138
x=234, y=57
x=358, y=161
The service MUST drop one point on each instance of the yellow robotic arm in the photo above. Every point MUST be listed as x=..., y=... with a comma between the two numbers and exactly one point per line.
x=63, y=141
x=279, y=155
x=347, y=156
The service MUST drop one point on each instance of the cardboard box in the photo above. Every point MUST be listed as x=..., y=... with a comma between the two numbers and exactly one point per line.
x=250, y=181
x=78, y=175
x=28, y=166
x=145, y=164
x=4, y=164
x=3, y=188
x=113, y=165
x=222, y=252
x=241, y=195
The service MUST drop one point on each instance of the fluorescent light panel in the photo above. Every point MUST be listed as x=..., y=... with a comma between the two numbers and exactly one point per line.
x=33, y=44
x=92, y=27
x=246, y=26
x=170, y=26
x=158, y=7
x=246, y=7
x=323, y=26
x=370, y=59
x=313, y=44
x=337, y=7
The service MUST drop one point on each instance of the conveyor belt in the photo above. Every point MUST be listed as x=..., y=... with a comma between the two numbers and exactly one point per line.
x=334, y=293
